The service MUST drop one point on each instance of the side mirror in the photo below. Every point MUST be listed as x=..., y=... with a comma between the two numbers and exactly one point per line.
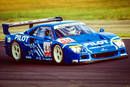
x=47, y=38
x=101, y=30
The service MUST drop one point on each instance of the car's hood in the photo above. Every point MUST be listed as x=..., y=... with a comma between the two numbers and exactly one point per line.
x=94, y=43
x=84, y=38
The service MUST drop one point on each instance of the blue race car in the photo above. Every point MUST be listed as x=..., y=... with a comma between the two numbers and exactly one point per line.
x=62, y=42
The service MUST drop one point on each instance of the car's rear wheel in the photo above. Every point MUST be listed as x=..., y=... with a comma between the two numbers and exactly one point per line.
x=58, y=56
x=16, y=51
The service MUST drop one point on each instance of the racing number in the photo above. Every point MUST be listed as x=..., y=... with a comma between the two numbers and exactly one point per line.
x=66, y=40
x=47, y=49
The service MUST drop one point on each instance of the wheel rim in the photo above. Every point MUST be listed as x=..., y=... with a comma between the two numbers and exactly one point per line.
x=16, y=51
x=58, y=54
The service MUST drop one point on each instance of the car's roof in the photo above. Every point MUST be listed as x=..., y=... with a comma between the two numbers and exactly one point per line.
x=52, y=24
x=58, y=23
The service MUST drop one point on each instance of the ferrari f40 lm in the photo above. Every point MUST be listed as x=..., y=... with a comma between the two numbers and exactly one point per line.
x=62, y=42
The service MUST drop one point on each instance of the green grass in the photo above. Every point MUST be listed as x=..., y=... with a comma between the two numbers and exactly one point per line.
x=19, y=10
x=90, y=14
x=124, y=34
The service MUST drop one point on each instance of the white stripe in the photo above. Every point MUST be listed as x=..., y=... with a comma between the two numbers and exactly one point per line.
x=88, y=50
x=37, y=49
x=41, y=49
x=113, y=43
x=37, y=53
x=66, y=45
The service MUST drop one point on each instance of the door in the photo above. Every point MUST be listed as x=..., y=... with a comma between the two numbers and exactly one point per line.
x=40, y=43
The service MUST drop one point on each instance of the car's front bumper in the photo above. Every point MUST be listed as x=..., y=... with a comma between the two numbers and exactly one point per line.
x=99, y=59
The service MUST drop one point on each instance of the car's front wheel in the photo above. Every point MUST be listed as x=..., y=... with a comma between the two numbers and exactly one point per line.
x=16, y=51
x=58, y=55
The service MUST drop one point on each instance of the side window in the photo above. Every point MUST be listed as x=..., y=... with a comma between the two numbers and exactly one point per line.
x=32, y=32
x=35, y=32
x=43, y=31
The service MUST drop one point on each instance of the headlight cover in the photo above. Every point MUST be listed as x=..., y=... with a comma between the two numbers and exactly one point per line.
x=119, y=43
x=76, y=49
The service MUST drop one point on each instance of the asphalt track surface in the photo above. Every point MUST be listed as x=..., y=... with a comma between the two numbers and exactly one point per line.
x=112, y=73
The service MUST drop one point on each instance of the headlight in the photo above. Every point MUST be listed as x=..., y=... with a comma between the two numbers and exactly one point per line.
x=76, y=49
x=119, y=43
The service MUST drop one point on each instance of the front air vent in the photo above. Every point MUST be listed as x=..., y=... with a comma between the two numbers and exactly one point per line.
x=107, y=54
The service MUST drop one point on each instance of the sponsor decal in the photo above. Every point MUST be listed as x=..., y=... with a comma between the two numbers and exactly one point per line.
x=21, y=38
x=35, y=49
x=47, y=49
x=96, y=43
x=28, y=57
x=65, y=40
x=103, y=49
x=95, y=47
x=75, y=46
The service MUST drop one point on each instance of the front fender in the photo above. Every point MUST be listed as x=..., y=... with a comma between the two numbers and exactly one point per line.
x=108, y=35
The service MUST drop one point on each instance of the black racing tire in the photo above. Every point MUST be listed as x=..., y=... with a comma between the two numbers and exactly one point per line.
x=16, y=52
x=58, y=54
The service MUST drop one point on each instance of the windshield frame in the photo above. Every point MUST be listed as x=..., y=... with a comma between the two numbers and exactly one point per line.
x=82, y=26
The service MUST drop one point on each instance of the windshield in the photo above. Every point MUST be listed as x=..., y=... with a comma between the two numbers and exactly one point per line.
x=72, y=29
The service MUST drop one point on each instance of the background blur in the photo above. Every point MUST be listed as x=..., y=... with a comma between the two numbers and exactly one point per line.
x=113, y=15
x=11, y=10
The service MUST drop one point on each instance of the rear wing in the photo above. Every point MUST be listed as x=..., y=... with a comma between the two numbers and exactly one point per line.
x=30, y=23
